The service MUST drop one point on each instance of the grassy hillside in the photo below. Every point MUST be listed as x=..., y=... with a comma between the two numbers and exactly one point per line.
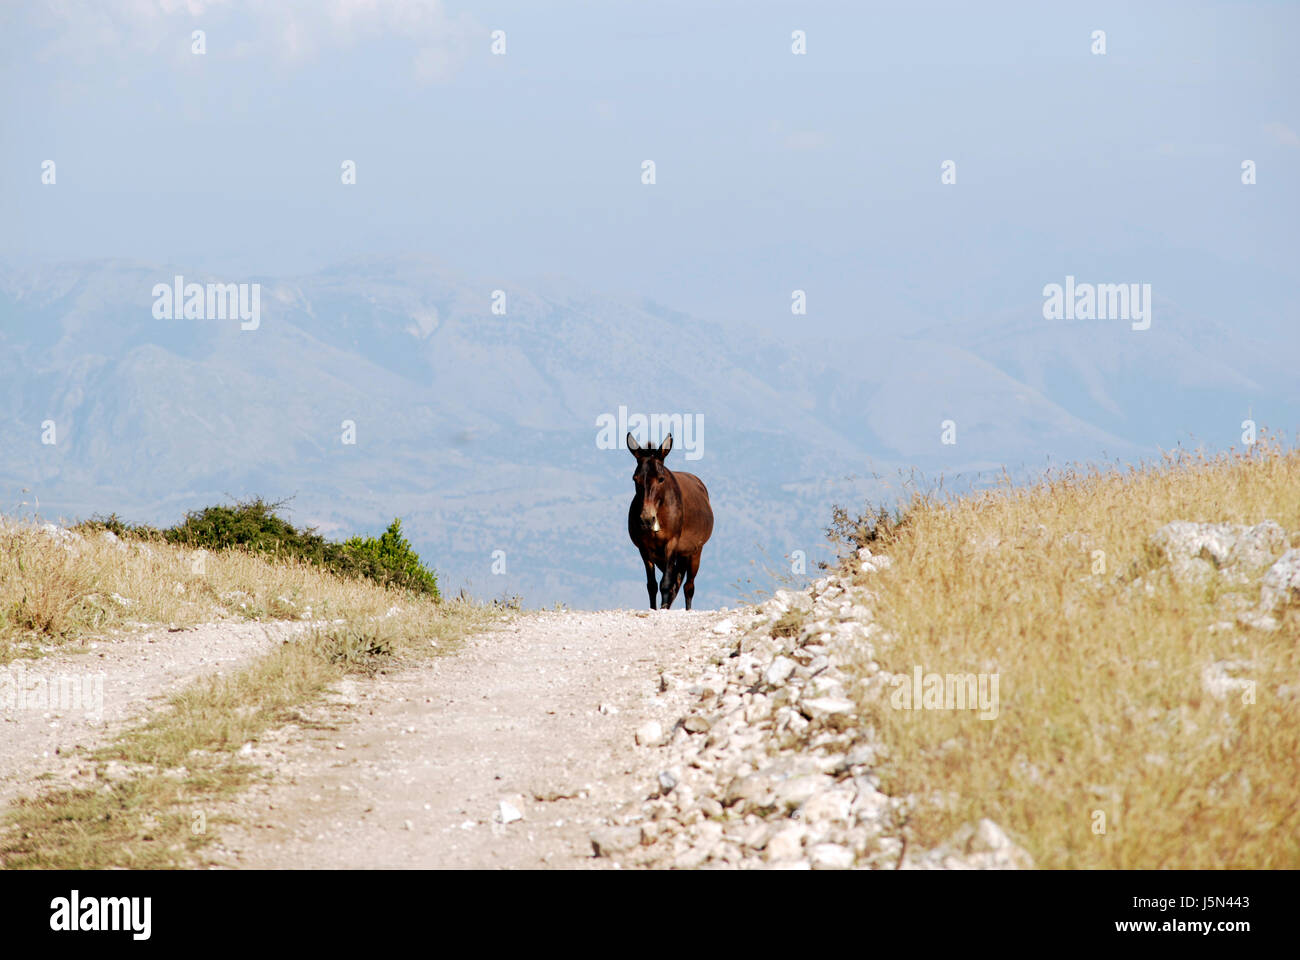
x=1143, y=721
x=104, y=576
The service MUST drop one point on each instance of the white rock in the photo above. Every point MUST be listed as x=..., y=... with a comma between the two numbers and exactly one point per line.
x=829, y=686
x=870, y=805
x=690, y=859
x=708, y=835
x=796, y=724
x=1216, y=679
x=1258, y=621
x=818, y=663
x=611, y=840
x=829, y=806
x=1196, y=551
x=988, y=837
x=650, y=734
x=1281, y=584
x=774, y=609
x=755, y=837
x=508, y=812
x=830, y=856
x=778, y=672
x=985, y=846
x=759, y=709
x=823, y=708
x=796, y=791
x=724, y=627
x=786, y=843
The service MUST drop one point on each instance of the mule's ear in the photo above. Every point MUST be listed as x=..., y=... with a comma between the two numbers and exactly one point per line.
x=665, y=446
x=636, y=448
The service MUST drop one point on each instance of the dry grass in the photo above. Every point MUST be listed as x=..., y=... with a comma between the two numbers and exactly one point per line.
x=147, y=790
x=60, y=588
x=1102, y=706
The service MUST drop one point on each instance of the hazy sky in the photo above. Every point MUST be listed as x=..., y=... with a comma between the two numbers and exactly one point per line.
x=774, y=171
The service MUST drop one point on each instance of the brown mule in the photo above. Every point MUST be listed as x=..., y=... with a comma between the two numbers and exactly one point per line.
x=670, y=521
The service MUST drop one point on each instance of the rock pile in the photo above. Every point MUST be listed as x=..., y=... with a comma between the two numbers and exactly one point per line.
x=768, y=765
x=1197, y=553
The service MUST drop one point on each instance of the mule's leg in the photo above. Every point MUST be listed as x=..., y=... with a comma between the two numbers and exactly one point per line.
x=681, y=575
x=690, y=578
x=650, y=585
x=671, y=581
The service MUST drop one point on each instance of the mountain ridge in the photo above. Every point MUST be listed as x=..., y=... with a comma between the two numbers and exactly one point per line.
x=479, y=429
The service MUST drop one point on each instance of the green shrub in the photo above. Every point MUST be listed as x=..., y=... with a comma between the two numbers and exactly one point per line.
x=118, y=527
x=254, y=525
x=390, y=559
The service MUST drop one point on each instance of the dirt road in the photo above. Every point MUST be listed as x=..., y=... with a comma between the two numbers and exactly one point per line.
x=540, y=714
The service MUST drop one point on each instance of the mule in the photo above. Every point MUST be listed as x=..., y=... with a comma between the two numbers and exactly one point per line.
x=669, y=521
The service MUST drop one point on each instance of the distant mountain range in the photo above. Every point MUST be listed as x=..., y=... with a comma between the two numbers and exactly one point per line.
x=480, y=429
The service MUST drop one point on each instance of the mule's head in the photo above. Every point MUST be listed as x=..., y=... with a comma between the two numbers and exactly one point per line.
x=651, y=478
